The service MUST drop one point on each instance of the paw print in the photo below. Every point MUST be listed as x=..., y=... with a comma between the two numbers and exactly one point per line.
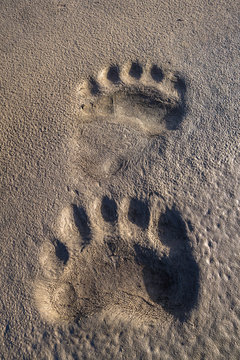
x=144, y=97
x=132, y=258
x=119, y=112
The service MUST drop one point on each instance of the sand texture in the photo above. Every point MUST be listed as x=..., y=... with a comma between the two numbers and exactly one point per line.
x=119, y=180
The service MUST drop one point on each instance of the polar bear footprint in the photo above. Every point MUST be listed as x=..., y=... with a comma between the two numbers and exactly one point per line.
x=120, y=111
x=133, y=259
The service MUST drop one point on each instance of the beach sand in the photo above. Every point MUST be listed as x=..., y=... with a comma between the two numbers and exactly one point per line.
x=119, y=180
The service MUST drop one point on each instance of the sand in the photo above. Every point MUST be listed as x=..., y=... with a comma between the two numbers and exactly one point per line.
x=119, y=180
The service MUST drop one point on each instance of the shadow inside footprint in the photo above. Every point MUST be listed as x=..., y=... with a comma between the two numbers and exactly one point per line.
x=171, y=281
x=156, y=275
x=94, y=87
x=82, y=223
x=113, y=74
x=138, y=213
x=156, y=73
x=109, y=209
x=136, y=70
x=61, y=251
x=172, y=229
x=176, y=114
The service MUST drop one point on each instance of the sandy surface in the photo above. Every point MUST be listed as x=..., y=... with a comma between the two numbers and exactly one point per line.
x=119, y=180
